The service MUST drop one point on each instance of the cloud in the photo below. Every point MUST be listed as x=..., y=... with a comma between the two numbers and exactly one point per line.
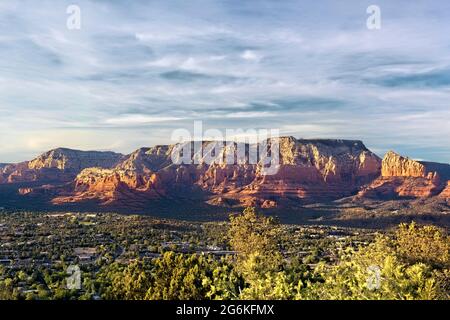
x=136, y=119
x=187, y=76
x=250, y=55
x=310, y=69
x=428, y=79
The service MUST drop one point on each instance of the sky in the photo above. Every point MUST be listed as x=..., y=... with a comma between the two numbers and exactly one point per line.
x=137, y=70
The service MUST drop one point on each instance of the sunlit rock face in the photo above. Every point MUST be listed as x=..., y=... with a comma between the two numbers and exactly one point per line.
x=404, y=177
x=308, y=169
x=58, y=165
x=68, y=159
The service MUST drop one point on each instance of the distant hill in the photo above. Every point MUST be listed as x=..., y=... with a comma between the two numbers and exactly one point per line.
x=402, y=177
x=309, y=171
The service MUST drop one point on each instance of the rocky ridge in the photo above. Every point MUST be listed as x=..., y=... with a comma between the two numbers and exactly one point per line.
x=309, y=170
x=58, y=165
x=404, y=177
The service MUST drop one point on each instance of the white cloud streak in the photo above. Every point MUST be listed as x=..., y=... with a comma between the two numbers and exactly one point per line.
x=308, y=69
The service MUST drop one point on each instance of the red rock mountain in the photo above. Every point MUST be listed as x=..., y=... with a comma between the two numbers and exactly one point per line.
x=404, y=177
x=59, y=165
x=445, y=194
x=308, y=171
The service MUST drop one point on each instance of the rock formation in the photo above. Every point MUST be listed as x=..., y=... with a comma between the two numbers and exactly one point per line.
x=308, y=171
x=58, y=165
x=445, y=194
x=75, y=160
x=404, y=177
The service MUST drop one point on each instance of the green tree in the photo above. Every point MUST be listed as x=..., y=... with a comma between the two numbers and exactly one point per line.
x=7, y=291
x=224, y=282
x=373, y=272
x=189, y=277
x=170, y=277
x=255, y=238
x=129, y=283
x=427, y=244
x=271, y=286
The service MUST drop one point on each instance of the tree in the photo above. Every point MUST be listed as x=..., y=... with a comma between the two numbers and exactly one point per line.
x=195, y=276
x=178, y=277
x=129, y=283
x=272, y=286
x=373, y=272
x=427, y=244
x=170, y=277
x=255, y=239
x=7, y=291
x=224, y=283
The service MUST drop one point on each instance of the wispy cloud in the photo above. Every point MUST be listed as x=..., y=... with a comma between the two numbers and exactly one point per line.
x=136, y=71
x=138, y=119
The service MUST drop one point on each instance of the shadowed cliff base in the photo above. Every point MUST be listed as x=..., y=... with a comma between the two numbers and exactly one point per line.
x=344, y=213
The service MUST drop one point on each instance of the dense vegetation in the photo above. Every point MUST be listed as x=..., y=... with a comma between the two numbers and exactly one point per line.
x=252, y=257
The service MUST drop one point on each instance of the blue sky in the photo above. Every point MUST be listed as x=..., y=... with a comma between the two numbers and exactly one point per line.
x=137, y=70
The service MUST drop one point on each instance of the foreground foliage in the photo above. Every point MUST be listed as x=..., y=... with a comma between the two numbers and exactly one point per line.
x=411, y=262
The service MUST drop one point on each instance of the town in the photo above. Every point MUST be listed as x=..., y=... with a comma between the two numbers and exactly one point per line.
x=38, y=247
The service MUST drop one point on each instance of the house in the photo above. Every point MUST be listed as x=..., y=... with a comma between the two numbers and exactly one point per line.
x=85, y=254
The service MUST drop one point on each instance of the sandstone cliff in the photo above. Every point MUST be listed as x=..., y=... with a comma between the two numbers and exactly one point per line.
x=57, y=165
x=316, y=170
x=394, y=165
x=445, y=194
x=308, y=169
x=404, y=177
x=68, y=159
